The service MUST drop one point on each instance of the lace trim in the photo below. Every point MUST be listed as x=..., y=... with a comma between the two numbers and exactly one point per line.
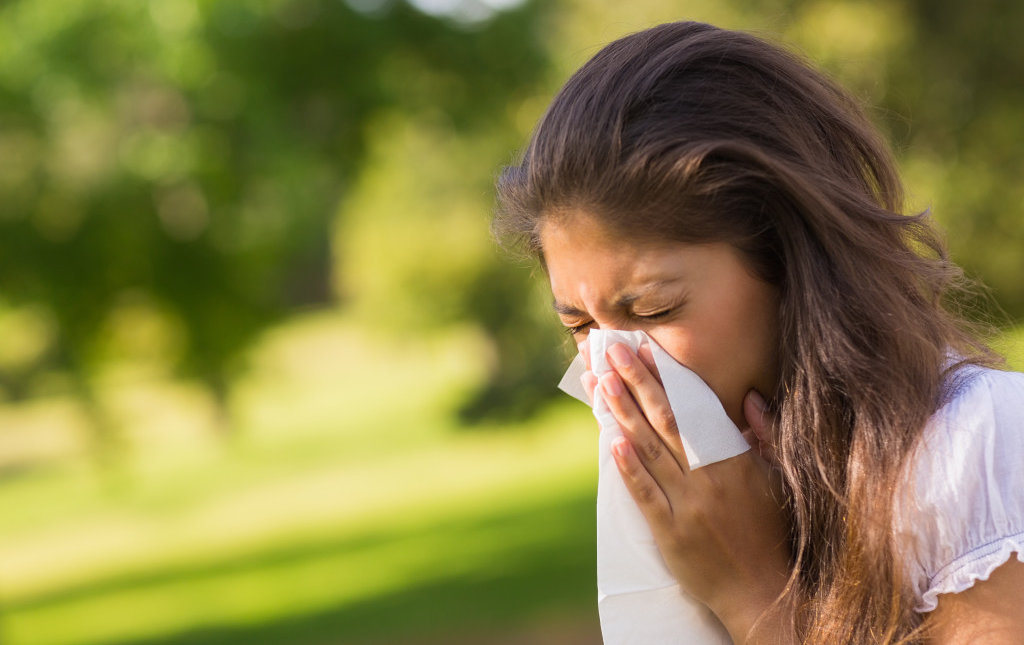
x=977, y=564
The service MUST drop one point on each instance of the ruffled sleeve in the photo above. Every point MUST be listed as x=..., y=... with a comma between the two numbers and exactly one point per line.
x=960, y=514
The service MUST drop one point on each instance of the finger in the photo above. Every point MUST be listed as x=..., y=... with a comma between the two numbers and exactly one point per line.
x=650, y=395
x=643, y=488
x=589, y=381
x=657, y=458
x=646, y=354
x=761, y=423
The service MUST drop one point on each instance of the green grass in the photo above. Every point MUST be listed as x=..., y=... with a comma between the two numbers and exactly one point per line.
x=349, y=509
x=483, y=570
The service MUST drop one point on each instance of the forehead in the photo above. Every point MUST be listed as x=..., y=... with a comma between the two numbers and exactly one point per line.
x=575, y=239
x=582, y=256
x=579, y=234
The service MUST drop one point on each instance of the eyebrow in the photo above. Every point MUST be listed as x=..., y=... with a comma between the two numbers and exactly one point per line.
x=621, y=302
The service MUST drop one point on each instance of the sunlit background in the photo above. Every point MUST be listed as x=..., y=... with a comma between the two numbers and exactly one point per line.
x=264, y=377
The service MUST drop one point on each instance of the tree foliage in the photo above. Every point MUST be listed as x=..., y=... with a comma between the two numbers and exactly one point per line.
x=187, y=158
x=957, y=77
x=183, y=174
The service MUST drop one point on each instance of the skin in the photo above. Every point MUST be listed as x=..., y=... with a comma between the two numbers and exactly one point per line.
x=698, y=302
x=720, y=528
x=988, y=613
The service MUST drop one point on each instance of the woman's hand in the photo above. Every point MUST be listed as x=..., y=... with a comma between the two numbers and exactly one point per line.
x=722, y=529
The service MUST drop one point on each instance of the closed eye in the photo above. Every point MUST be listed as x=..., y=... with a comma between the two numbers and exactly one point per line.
x=578, y=328
x=658, y=315
x=574, y=330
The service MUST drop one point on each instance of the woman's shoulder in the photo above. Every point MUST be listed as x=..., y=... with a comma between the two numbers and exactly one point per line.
x=961, y=510
x=982, y=417
x=980, y=404
x=971, y=387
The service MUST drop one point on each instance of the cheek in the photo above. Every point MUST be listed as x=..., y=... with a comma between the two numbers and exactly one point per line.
x=711, y=345
x=677, y=340
x=701, y=352
x=725, y=351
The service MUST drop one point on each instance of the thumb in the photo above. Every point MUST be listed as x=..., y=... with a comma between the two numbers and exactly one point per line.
x=761, y=423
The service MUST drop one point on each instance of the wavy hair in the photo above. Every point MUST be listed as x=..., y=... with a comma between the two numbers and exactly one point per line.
x=697, y=134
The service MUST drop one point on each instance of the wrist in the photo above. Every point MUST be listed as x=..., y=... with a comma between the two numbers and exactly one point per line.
x=762, y=617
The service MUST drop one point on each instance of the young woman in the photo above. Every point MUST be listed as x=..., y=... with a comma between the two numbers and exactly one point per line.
x=716, y=192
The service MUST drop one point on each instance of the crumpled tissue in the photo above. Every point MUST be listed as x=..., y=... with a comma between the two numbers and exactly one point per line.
x=639, y=601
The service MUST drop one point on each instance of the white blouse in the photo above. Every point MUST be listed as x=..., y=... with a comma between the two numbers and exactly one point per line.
x=961, y=513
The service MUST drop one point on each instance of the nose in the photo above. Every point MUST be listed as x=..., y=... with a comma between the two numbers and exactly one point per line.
x=653, y=331
x=622, y=324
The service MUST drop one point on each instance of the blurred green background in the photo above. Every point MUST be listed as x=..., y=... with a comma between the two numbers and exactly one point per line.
x=264, y=377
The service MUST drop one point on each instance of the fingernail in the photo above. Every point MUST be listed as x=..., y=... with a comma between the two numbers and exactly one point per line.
x=758, y=400
x=611, y=384
x=619, y=355
x=620, y=447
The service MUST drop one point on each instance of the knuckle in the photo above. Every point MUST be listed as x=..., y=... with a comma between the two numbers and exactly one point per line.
x=663, y=418
x=628, y=372
x=653, y=449
x=680, y=536
x=647, y=494
x=661, y=515
x=702, y=518
x=696, y=518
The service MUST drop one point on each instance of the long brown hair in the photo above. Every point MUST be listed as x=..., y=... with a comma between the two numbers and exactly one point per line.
x=693, y=133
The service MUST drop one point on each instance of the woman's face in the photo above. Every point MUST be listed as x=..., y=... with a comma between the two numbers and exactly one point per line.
x=697, y=301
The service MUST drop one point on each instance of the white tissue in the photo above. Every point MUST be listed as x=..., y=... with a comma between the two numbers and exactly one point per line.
x=638, y=599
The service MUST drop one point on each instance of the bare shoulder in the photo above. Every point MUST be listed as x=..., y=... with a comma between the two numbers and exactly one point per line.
x=988, y=613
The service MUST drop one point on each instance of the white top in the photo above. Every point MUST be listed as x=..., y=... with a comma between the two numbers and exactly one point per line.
x=962, y=513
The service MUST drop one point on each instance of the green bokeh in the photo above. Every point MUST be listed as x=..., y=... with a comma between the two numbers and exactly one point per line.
x=249, y=305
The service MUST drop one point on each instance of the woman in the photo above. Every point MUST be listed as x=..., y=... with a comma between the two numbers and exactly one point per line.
x=715, y=192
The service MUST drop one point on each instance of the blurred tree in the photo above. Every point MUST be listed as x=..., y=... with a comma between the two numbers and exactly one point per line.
x=959, y=78
x=177, y=166
x=186, y=158
x=944, y=80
